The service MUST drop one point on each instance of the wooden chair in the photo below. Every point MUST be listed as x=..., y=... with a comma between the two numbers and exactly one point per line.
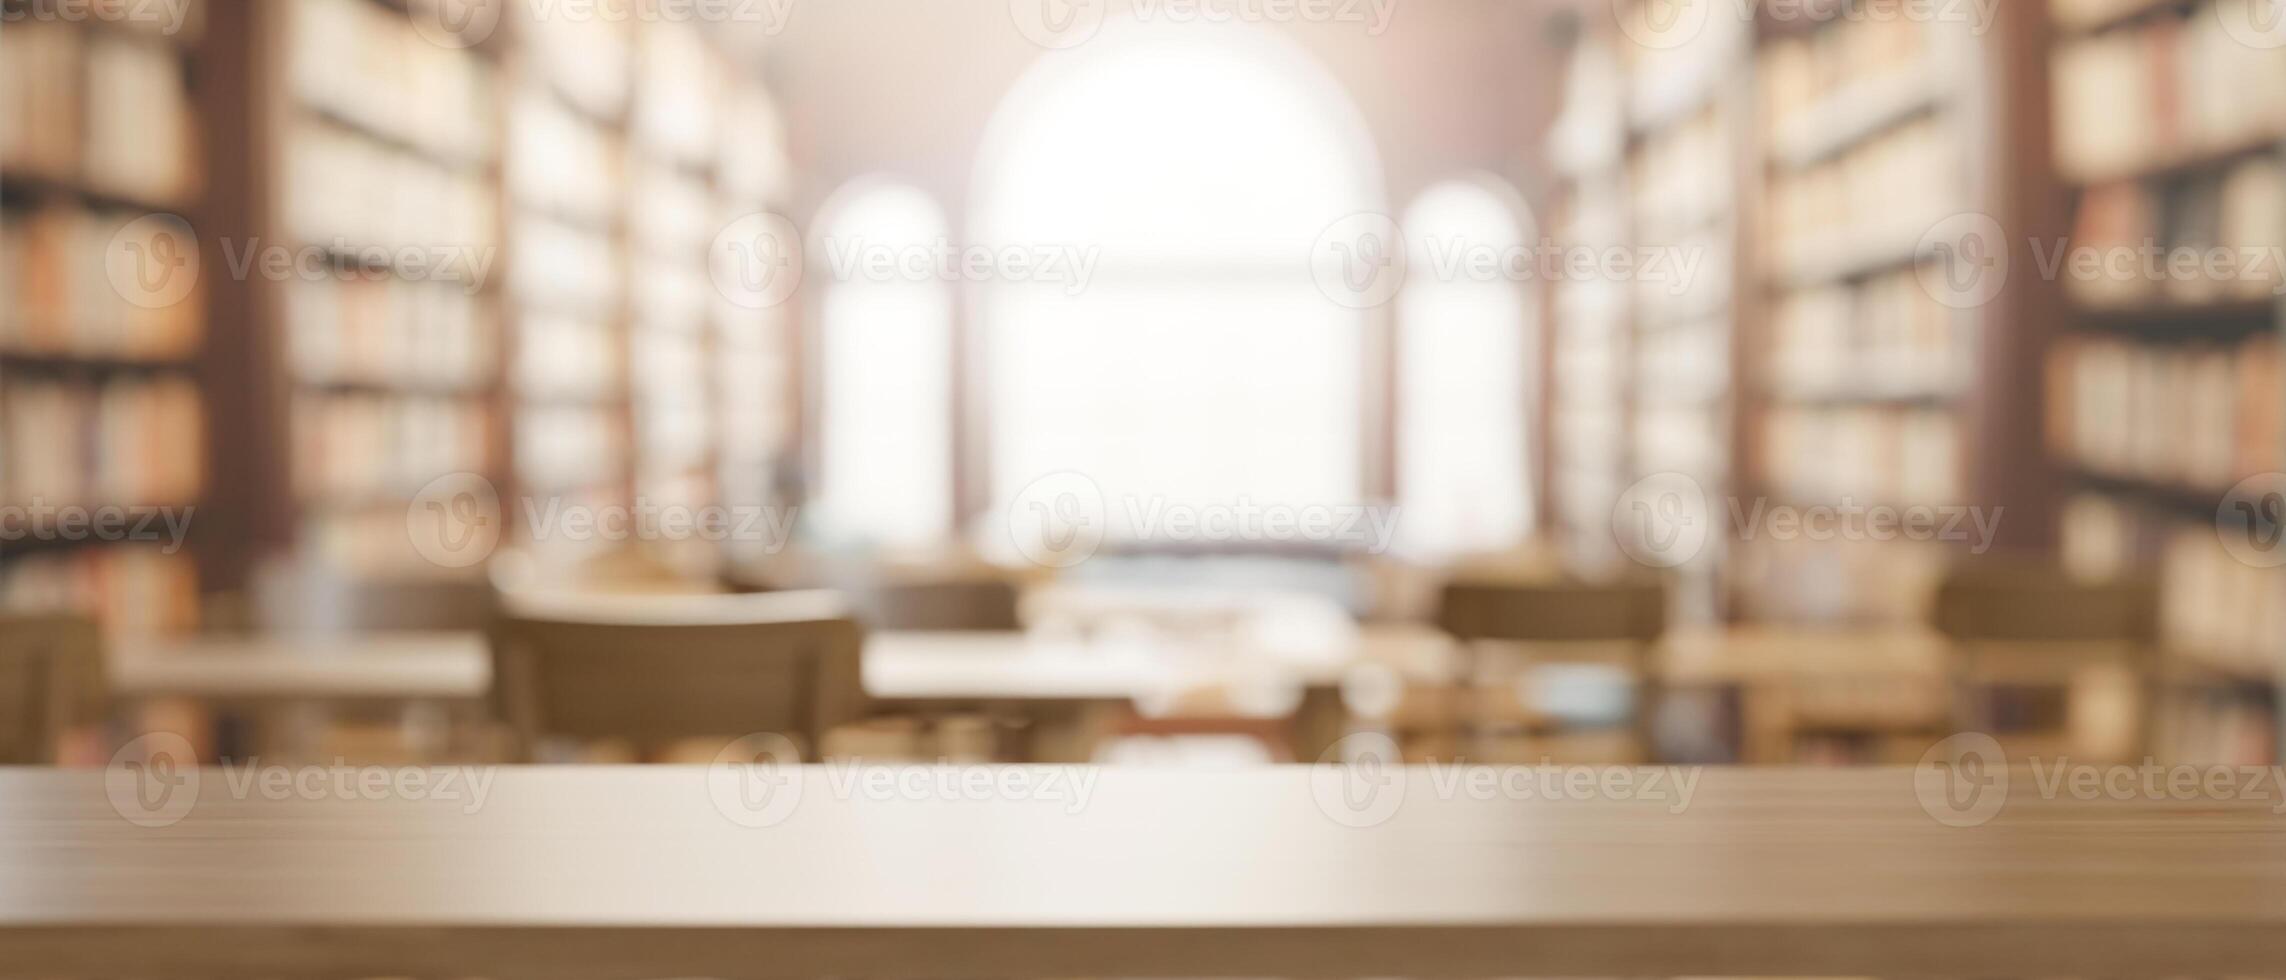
x=656, y=670
x=1632, y=614
x=2036, y=625
x=945, y=604
x=51, y=680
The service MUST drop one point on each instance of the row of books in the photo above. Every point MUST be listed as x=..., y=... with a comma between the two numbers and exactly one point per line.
x=376, y=330
x=130, y=588
x=345, y=188
x=1681, y=178
x=1874, y=202
x=2147, y=242
x=562, y=162
x=1882, y=337
x=359, y=448
x=102, y=109
x=2166, y=88
x=75, y=281
x=2193, y=416
x=2216, y=609
x=367, y=64
x=1866, y=454
x=1802, y=73
x=562, y=447
x=130, y=441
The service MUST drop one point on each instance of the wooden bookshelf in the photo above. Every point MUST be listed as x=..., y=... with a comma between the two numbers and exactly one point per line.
x=1687, y=175
x=1857, y=374
x=101, y=400
x=2165, y=390
x=1589, y=400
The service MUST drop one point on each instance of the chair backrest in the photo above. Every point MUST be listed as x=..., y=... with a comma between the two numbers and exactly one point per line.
x=656, y=669
x=951, y=604
x=51, y=678
x=2014, y=603
x=1553, y=612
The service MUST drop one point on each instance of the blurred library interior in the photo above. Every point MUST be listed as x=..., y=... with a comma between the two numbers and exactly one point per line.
x=1574, y=380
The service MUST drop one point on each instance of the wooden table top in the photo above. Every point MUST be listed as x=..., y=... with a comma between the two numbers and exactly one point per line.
x=654, y=871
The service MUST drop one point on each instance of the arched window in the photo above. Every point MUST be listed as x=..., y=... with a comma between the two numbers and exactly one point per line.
x=885, y=359
x=1463, y=319
x=1196, y=362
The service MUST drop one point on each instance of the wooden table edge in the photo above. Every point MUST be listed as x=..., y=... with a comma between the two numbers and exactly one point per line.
x=512, y=952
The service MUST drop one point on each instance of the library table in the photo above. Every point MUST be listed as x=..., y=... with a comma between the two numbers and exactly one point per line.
x=567, y=872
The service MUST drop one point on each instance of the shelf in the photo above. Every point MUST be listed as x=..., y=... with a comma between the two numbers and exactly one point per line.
x=79, y=363
x=1865, y=391
x=2127, y=14
x=2170, y=497
x=1843, y=264
x=322, y=114
x=2179, y=163
x=2221, y=320
x=438, y=387
x=20, y=187
x=1856, y=114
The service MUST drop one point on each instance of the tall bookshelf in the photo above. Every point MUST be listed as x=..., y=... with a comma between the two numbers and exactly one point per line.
x=101, y=361
x=1688, y=104
x=569, y=378
x=753, y=369
x=1861, y=366
x=1589, y=378
x=387, y=165
x=2165, y=391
